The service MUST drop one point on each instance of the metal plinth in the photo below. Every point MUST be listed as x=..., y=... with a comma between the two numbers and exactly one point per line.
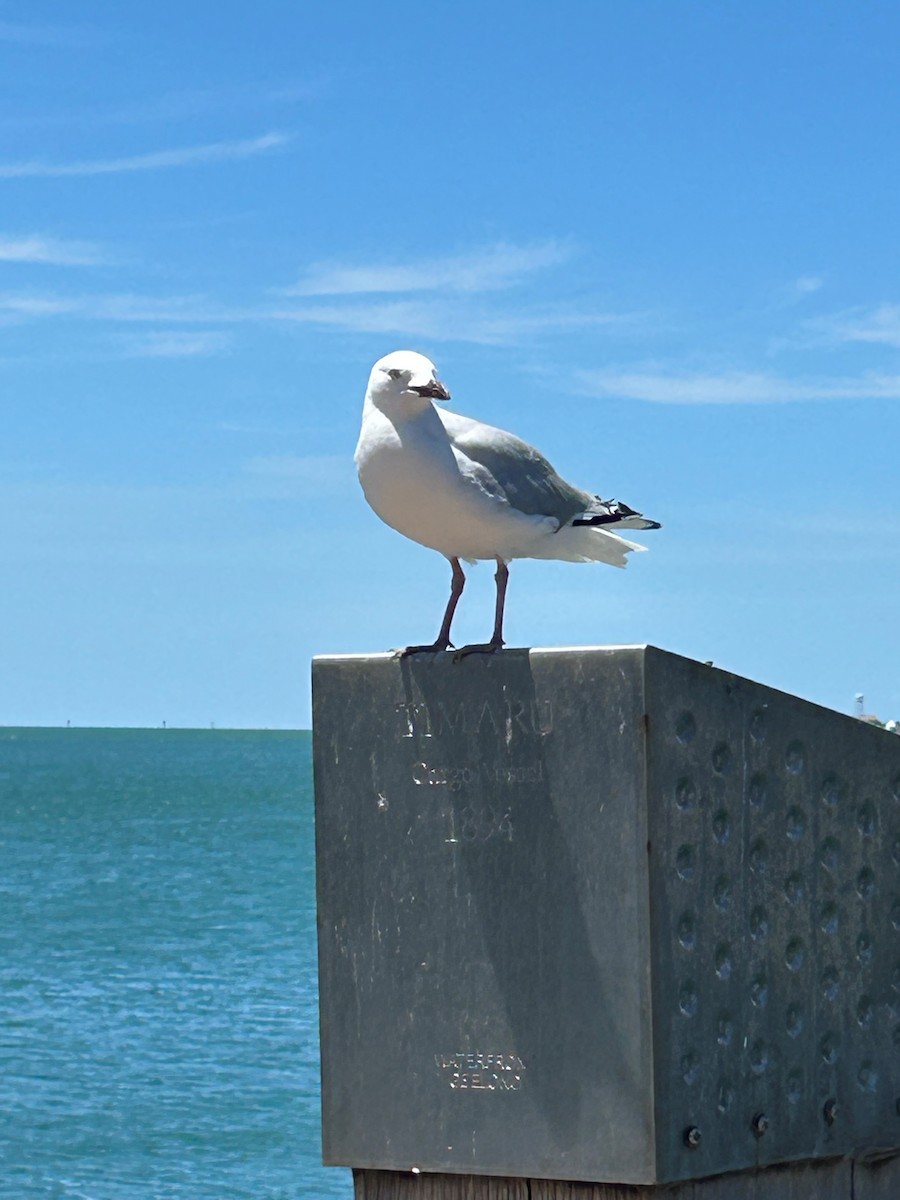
x=601, y=914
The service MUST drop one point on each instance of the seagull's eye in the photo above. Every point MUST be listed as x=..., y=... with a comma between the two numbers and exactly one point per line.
x=394, y=373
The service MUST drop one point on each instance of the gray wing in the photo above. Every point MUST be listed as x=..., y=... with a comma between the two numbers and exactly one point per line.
x=521, y=474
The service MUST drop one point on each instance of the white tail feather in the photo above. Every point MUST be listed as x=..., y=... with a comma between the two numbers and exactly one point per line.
x=587, y=543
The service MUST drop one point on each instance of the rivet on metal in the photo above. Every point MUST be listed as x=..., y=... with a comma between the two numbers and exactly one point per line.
x=828, y=1048
x=687, y=998
x=757, y=791
x=795, y=758
x=690, y=1068
x=831, y=985
x=759, y=990
x=722, y=893
x=723, y=960
x=832, y=791
x=796, y=823
x=758, y=857
x=758, y=726
x=684, y=862
x=759, y=1124
x=685, y=793
x=829, y=918
x=829, y=1112
x=721, y=758
x=794, y=1020
x=867, y=1077
x=692, y=1137
x=759, y=923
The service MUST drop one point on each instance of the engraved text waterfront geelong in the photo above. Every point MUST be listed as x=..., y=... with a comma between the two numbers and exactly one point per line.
x=479, y=1072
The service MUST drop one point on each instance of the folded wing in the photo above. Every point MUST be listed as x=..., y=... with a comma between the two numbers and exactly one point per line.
x=510, y=468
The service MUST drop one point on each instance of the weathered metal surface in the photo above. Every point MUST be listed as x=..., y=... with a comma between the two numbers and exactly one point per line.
x=575, y=904
x=776, y=909
x=483, y=974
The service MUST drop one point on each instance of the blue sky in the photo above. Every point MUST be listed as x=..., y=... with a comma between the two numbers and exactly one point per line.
x=659, y=239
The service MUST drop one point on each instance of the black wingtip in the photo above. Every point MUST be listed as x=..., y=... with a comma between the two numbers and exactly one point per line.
x=598, y=519
x=615, y=512
x=616, y=519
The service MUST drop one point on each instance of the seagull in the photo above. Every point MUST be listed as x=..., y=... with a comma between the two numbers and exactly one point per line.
x=471, y=491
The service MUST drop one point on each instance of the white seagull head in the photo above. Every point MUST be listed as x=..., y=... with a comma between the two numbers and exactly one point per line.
x=405, y=375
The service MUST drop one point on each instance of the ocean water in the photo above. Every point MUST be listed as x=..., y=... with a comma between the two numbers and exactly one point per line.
x=158, y=1010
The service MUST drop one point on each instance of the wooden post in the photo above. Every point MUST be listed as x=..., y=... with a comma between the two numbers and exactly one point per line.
x=831, y=1179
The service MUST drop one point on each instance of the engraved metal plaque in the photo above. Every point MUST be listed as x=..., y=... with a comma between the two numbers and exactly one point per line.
x=601, y=914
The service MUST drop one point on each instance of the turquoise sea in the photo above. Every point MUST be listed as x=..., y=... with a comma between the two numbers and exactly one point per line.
x=158, y=1018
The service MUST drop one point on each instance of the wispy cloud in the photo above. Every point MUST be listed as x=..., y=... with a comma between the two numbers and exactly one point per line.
x=196, y=102
x=441, y=297
x=447, y=322
x=806, y=285
x=879, y=325
x=731, y=387
x=344, y=299
x=45, y=35
x=513, y=327
x=177, y=105
x=399, y=317
x=30, y=306
x=185, y=156
x=173, y=343
x=122, y=307
x=33, y=248
x=483, y=270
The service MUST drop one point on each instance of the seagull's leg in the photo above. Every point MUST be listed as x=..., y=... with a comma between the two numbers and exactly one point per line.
x=496, y=642
x=457, y=583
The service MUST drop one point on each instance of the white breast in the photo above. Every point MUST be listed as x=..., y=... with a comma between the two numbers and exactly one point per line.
x=412, y=479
